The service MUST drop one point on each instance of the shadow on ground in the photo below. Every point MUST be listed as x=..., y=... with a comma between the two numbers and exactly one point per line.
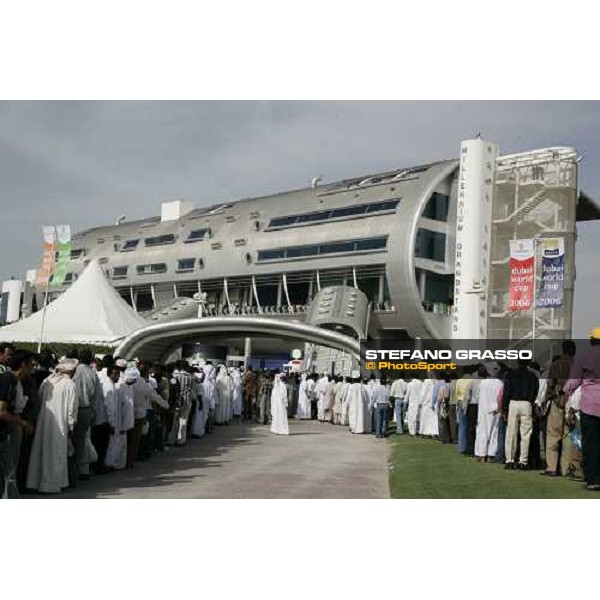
x=176, y=466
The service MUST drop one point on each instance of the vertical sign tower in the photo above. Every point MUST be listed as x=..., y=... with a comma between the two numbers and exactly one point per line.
x=473, y=238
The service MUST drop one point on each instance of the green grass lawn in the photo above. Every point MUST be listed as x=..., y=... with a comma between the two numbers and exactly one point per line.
x=423, y=468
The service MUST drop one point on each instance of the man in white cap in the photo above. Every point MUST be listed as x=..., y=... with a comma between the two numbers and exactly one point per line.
x=486, y=436
x=412, y=399
x=119, y=410
x=48, y=468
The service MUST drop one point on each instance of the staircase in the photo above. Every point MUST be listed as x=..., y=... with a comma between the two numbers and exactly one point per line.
x=180, y=308
x=523, y=210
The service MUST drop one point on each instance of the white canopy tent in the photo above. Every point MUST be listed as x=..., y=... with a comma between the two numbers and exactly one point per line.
x=90, y=312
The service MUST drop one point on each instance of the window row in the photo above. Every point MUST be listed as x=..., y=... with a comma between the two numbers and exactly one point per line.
x=337, y=213
x=183, y=265
x=196, y=235
x=272, y=293
x=378, y=243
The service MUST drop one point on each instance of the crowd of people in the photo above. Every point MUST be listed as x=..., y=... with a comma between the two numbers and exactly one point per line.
x=65, y=420
x=525, y=417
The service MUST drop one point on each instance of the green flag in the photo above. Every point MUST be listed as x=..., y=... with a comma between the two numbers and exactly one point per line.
x=63, y=234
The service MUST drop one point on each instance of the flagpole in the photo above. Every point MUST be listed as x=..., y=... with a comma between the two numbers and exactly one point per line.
x=534, y=289
x=46, y=298
x=43, y=315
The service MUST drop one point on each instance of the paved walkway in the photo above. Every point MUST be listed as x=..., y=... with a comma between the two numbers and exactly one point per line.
x=242, y=461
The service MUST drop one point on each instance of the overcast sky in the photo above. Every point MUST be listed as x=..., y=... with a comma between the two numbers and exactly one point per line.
x=85, y=163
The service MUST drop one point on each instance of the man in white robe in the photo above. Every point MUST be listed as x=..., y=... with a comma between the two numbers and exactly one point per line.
x=369, y=387
x=210, y=394
x=279, y=402
x=311, y=394
x=328, y=399
x=412, y=400
x=201, y=405
x=344, y=413
x=48, y=470
x=338, y=400
x=120, y=414
x=303, y=400
x=358, y=407
x=223, y=396
x=321, y=390
x=428, y=426
x=237, y=400
x=486, y=436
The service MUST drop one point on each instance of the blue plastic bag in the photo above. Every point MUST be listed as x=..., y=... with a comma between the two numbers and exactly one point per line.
x=575, y=437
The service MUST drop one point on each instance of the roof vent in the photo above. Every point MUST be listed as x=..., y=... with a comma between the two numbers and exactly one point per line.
x=171, y=211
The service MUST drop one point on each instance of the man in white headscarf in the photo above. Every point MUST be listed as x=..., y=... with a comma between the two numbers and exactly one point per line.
x=48, y=469
x=303, y=399
x=358, y=407
x=237, y=399
x=369, y=386
x=224, y=388
x=279, y=402
x=428, y=425
x=120, y=414
x=339, y=390
x=210, y=394
x=486, y=436
x=344, y=413
x=322, y=390
x=200, y=405
x=328, y=400
x=412, y=400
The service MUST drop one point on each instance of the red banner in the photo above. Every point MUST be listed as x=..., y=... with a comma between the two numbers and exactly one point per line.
x=48, y=259
x=522, y=270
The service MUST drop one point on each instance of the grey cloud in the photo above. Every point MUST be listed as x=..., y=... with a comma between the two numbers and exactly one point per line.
x=86, y=162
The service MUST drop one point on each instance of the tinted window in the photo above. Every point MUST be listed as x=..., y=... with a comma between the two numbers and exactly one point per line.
x=198, y=234
x=379, y=206
x=331, y=248
x=185, y=264
x=119, y=272
x=437, y=207
x=299, y=251
x=270, y=254
x=431, y=245
x=150, y=269
x=129, y=245
x=76, y=253
x=338, y=213
x=338, y=247
x=282, y=221
x=348, y=211
x=160, y=240
x=308, y=218
x=371, y=244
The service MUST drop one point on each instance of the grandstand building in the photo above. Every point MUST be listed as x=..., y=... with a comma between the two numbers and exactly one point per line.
x=390, y=235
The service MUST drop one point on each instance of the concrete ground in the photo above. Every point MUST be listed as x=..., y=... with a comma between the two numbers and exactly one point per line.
x=247, y=461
